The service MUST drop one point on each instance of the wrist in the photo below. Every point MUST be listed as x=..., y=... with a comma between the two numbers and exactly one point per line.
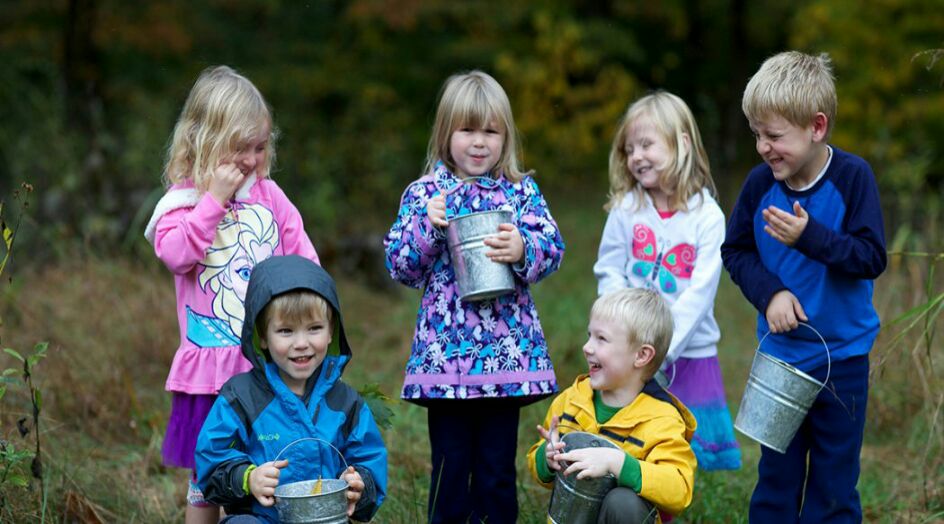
x=246, y=474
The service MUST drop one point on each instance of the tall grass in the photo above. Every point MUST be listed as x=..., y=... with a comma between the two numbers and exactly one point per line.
x=112, y=332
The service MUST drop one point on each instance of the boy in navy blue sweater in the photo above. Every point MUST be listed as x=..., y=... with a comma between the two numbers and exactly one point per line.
x=804, y=243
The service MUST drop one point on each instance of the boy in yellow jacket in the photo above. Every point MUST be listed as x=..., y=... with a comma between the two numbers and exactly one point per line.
x=629, y=334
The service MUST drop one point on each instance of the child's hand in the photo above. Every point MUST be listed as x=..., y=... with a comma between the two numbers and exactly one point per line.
x=593, y=462
x=783, y=226
x=436, y=211
x=554, y=445
x=355, y=487
x=507, y=246
x=783, y=311
x=224, y=182
x=264, y=479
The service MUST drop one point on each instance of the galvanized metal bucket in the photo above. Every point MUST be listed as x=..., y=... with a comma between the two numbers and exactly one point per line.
x=297, y=505
x=777, y=398
x=478, y=277
x=578, y=501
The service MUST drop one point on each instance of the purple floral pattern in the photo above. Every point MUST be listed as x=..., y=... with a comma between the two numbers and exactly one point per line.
x=492, y=348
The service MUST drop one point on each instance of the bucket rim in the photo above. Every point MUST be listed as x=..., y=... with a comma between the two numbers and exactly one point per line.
x=829, y=359
x=481, y=213
x=343, y=487
x=792, y=369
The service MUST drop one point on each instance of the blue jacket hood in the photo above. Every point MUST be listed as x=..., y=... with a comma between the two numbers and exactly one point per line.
x=281, y=274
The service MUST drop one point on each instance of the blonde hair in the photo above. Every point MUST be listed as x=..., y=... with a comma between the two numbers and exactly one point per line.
x=687, y=172
x=223, y=112
x=792, y=85
x=645, y=314
x=295, y=307
x=474, y=99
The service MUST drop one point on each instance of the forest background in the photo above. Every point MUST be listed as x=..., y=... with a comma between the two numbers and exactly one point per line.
x=90, y=91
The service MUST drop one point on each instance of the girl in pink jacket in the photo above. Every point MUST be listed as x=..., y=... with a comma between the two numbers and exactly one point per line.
x=221, y=216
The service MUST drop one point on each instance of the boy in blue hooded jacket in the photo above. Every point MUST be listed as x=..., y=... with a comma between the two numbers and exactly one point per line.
x=293, y=392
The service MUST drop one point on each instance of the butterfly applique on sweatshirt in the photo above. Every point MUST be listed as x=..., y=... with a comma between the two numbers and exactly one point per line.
x=657, y=264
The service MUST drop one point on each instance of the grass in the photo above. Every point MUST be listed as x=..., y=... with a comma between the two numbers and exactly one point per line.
x=112, y=331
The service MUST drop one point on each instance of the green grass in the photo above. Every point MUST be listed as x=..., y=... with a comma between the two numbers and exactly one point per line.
x=112, y=332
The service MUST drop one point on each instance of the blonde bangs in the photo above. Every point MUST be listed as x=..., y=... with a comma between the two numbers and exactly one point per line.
x=294, y=307
x=794, y=86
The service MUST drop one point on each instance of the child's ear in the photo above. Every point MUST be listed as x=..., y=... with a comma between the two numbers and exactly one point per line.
x=820, y=124
x=687, y=143
x=644, y=355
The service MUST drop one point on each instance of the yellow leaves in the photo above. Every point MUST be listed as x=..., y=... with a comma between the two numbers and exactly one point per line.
x=316, y=488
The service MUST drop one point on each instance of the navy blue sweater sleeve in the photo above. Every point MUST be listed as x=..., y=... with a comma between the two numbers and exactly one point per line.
x=739, y=250
x=859, y=249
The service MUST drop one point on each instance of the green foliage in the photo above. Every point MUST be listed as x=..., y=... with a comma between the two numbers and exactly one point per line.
x=13, y=469
x=379, y=404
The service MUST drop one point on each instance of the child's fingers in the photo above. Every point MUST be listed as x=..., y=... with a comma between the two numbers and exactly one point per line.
x=799, y=211
x=798, y=311
x=280, y=464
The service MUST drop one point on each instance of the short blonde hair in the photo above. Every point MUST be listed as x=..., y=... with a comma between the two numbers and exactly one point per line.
x=474, y=99
x=223, y=112
x=792, y=85
x=294, y=306
x=687, y=172
x=645, y=314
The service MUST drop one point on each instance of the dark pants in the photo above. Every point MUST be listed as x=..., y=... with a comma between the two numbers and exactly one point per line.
x=823, y=457
x=625, y=506
x=473, y=445
x=241, y=519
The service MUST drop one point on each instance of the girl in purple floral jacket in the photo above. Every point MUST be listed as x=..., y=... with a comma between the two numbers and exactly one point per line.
x=474, y=364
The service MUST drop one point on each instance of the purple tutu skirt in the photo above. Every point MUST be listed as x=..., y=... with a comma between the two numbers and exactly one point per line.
x=187, y=413
x=697, y=383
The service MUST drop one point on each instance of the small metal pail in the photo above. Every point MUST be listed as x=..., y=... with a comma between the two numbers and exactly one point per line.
x=297, y=505
x=776, y=399
x=478, y=277
x=578, y=501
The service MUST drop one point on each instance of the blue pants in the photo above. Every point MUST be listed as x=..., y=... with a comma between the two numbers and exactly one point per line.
x=823, y=456
x=473, y=445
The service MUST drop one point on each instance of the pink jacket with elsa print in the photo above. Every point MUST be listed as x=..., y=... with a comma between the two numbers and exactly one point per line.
x=211, y=250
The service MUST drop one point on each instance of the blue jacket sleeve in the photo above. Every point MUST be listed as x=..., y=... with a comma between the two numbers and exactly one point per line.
x=365, y=450
x=220, y=459
x=859, y=249
x=739, y=250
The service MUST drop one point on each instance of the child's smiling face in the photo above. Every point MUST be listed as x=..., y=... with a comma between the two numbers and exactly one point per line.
x=795, y=154
x=647, y=154
x=297, y=347
x=250, y=156
x=610, y=357
x=475, y=151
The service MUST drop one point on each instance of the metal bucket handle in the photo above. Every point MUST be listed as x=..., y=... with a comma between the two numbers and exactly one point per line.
x=829, y=360
x=296, y=441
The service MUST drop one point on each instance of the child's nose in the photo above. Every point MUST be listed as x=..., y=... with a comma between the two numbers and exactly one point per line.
x=763, y=146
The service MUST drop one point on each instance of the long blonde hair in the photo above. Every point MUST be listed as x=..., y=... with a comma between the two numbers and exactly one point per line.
x=687, y=172
x=474, y=99
x=223, y=112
